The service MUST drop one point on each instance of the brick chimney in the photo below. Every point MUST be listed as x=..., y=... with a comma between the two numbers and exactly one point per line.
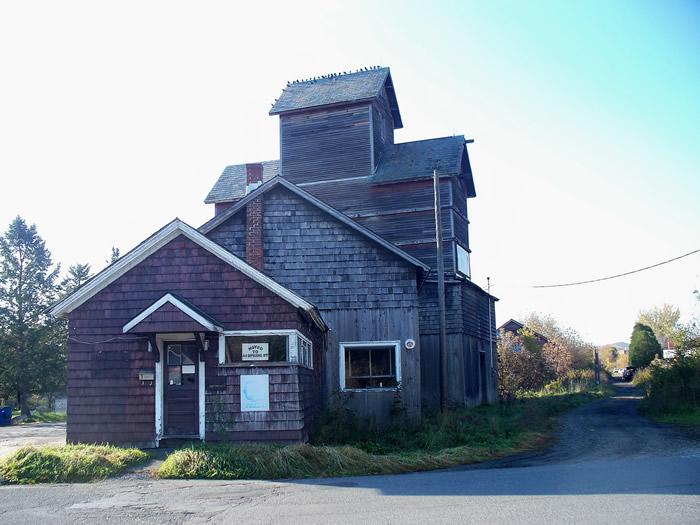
x=254, y=218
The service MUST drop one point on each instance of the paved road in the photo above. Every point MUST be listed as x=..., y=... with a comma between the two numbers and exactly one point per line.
x=16, y=436
x=609, y=466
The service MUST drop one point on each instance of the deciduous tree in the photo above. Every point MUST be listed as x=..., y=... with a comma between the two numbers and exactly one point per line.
x=663, y=320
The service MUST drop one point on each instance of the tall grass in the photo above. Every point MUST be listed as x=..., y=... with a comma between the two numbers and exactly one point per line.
x=443, y=440
x=67, y=464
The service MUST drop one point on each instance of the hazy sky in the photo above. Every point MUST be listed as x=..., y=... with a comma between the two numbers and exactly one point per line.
x=586, y=119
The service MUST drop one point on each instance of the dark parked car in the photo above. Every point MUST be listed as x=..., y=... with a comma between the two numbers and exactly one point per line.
x=628, y=373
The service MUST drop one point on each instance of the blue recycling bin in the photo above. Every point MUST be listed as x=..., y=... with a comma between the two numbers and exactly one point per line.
x=5, y=416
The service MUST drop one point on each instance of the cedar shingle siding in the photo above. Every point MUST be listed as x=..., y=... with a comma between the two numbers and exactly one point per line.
x=107, y=402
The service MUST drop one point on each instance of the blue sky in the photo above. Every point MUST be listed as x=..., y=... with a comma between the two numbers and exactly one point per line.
x=116, y=118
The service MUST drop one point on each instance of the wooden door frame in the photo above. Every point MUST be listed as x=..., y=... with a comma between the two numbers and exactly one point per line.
x=161, y=340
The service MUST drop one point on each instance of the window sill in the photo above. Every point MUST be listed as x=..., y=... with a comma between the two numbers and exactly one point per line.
x=389, y=389
x=257, y=364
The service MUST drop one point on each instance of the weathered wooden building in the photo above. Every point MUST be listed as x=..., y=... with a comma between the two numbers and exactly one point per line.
x=313, y=281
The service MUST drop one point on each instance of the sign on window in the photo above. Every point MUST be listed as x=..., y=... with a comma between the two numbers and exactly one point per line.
x=255, y=351
x=255, y=393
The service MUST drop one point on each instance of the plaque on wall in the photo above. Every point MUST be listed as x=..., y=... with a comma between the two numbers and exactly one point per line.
x=255, y=351
x=255, y=393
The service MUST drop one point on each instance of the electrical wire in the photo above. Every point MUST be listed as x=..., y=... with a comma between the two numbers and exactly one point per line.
x=618, y=275
x=111, y=340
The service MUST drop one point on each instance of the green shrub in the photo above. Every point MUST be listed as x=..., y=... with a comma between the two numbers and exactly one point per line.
x=573, y=382
x=67, y=464
x=671, y=387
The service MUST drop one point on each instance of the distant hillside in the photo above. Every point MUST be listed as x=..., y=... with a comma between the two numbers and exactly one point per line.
x=621, y=346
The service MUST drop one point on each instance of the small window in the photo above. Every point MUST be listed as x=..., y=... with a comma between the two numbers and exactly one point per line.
x=304, y=349
x=370, y=365
x=270, y=348
x=463, y=262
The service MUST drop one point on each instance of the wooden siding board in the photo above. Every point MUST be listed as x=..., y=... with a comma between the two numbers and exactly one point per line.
x=391, y=324
x=328, y=263
x=294, y=401
x=401, y=213
x=325, y=144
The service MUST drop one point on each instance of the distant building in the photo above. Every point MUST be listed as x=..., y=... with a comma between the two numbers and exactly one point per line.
x=515, y=327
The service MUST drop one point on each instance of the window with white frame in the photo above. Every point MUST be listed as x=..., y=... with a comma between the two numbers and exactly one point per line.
x=463, y=262
x=256, y=346
x=370, y=365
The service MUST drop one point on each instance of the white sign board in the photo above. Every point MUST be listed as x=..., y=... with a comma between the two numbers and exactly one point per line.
x=255, y=393
x=670, y=354
x=255, y=351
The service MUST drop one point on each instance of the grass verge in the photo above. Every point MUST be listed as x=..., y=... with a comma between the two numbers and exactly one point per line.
x=444, y=440
x=43, y=417
x=67, y=464
x=690, y=417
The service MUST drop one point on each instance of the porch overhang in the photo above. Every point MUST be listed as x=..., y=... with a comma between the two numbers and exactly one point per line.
x=171, y=313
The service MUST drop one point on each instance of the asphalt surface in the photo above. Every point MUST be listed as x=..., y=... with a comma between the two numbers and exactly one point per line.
x=609, y=465
x=17, y=436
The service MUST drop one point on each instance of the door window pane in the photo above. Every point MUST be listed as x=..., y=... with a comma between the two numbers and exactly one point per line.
x=174, y=375
x=174, y=355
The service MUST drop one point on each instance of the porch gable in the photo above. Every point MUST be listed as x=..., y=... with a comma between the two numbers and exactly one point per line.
x=171, y=313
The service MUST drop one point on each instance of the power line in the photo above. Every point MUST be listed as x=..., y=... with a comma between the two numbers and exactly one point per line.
x=618, y=275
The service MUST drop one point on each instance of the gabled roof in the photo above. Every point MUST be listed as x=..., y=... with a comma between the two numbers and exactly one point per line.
x=338, y=89
x=519, y=326
x=156, y=241
x=181, y=304
x=416, y=160
x=279, y=181
x=232, y=181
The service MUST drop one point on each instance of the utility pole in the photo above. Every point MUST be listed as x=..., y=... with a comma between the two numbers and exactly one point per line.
x=493, y=357
x=596, y=366
x=440, y=293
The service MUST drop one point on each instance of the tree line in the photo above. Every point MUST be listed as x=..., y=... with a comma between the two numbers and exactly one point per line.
x=32, y=343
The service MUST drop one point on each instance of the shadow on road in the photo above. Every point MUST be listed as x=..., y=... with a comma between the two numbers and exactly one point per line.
x=605, y=447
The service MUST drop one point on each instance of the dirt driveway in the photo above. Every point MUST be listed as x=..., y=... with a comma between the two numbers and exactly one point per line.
x=16, y=436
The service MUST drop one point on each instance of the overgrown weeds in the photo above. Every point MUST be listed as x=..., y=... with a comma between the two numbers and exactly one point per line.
x=68, y=463
x=672, y=389
x=346, y=445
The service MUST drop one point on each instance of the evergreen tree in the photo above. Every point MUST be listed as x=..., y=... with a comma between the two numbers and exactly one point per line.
x=115, y=255
x=32, y=345
x=644, y=347
x=78, y=274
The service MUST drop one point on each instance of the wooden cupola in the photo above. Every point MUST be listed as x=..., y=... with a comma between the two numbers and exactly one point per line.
x=337, y=126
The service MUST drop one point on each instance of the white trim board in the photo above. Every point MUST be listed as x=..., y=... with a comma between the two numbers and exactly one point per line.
x=156, y=241
x=291, y=333
x=170, y=298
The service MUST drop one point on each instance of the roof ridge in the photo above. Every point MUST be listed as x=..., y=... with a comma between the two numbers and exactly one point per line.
x=254, y=162
x=426, y=140
x=331, y=76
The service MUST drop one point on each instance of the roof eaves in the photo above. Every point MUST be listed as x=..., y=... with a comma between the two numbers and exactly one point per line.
x=222, y=217
x=156, y=241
